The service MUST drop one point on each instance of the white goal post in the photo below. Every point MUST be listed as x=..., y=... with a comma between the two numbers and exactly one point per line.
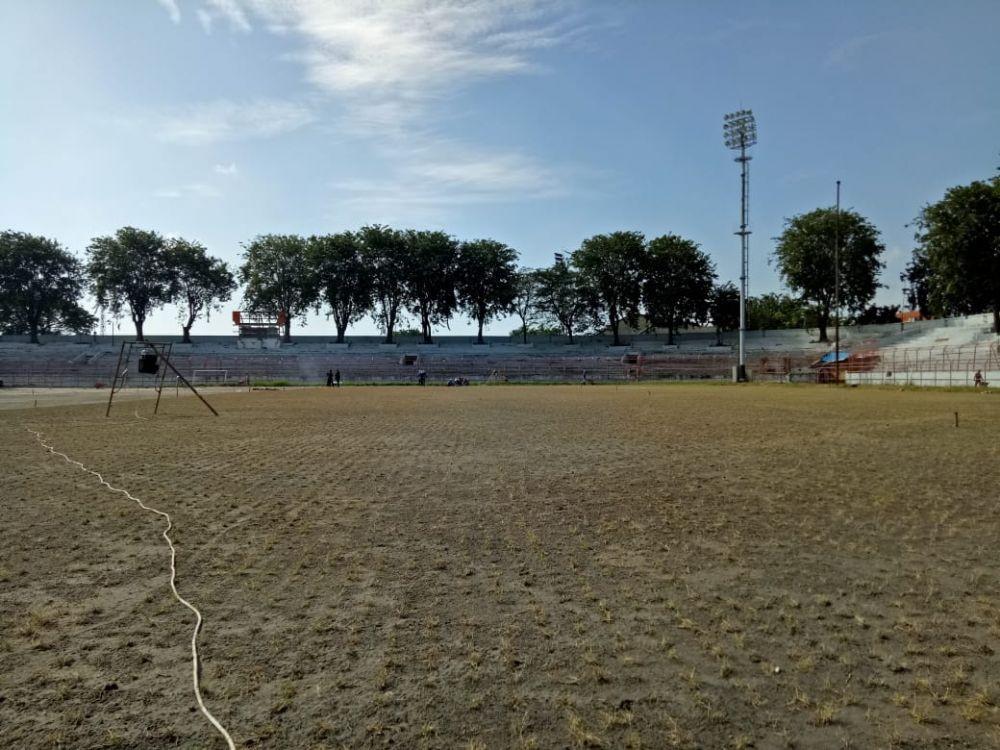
x=209, y=376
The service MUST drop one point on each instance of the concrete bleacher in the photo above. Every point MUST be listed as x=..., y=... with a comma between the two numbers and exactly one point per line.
x=86, y=361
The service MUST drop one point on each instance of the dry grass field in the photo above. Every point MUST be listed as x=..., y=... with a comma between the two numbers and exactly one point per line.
x=531, y=567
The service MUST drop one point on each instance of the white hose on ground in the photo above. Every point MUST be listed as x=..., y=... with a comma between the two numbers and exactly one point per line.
x=173, y=578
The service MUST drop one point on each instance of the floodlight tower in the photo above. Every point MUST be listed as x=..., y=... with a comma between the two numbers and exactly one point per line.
x=739, y=130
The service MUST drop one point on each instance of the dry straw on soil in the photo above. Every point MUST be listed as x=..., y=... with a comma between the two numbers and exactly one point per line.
x=685, y=566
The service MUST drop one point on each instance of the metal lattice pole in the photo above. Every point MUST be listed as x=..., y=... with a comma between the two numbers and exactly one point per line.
x=740, y=133
x=836, y=284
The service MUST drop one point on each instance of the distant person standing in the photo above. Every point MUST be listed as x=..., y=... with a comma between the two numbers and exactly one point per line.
x=422, y=377
x=336, y=378
x=329, y=378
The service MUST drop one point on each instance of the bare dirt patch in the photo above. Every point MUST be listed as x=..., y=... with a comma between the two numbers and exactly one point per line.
x=662, y=566
x=30, y=398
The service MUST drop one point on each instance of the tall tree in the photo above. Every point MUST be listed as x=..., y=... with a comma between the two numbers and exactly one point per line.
x=430, y=286
x=959, y=236
x=202, y=283
x=525, y=305
x=612, y=265
x=343, y=277
x=487, y=271
x=40, y=287
x=724, y=309
x=385, y=251
x=805, y=257
x=130, y=269
x=564, y=297
x=678, y=283
x=278, y=277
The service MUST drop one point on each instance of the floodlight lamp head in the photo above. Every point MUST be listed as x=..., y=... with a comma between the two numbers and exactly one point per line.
x=739, y=129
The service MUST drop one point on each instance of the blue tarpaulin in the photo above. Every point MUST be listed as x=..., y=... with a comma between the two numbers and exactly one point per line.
x=832, y=357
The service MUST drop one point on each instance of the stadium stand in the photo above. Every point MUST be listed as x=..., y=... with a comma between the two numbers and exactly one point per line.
x=931, y=351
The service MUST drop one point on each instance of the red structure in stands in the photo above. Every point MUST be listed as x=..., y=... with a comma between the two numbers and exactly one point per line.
x=258, y=325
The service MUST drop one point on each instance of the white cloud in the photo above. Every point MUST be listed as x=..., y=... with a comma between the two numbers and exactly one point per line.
x=193, y=190
x=225, y=169
x=231, y=11
x=387, y=66
x=223, y=120
x=172, y=10
x=485, y=174
x=893, y=43
x=395, y=55
x=443, y=174
x=205, y=19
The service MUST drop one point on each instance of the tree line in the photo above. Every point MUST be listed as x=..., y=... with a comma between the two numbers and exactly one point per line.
x=612, y=281
x=388, y=273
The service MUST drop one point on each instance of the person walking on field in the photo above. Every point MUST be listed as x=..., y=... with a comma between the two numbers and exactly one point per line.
x=329, y=378
x=336, y=378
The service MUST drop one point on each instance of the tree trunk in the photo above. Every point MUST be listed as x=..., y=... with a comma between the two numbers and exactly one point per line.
x=718, y=336
x=287, y=338
x=138, y=328
x=425, y=326
x=390, y=323
x=823, y=320
x=341, y=330
x=34, y=332
x=996, y=317
x=524, y=331
x=670, y=333
x=614, y=332
x=186, y=339
x=479, y=336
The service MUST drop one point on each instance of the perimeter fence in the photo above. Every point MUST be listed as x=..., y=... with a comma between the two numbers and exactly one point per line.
x=932, y=365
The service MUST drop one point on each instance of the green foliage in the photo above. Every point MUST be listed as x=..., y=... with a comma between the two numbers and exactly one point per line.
x=486, y=280
x=724, y=309
x=876, y=315
x=805, y=257
x=386, y=253
x=536, y=330
x=678, y=283
x=430, y=286
x=278, y=277
x=917, y=280
x=201, y=283
x=564, y=298
x=959, y=243
x=777, y=311
x=411, y=332
x=612, y=266
x=343, y=277
x=40, y=285
x=130, y=269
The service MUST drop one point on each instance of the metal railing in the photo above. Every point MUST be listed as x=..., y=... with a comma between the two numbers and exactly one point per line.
x=940, y=364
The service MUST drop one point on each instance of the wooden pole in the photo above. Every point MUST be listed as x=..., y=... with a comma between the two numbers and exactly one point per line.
x=185, y=382
x=114, y=381
x=163, y=377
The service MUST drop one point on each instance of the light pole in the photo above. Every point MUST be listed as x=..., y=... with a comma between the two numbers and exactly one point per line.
x=836, y=285
x=739, y=130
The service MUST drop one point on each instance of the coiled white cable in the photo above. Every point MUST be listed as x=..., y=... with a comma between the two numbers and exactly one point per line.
x=173, y=578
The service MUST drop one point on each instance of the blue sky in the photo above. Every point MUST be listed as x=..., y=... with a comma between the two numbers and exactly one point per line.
x=534, y=123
